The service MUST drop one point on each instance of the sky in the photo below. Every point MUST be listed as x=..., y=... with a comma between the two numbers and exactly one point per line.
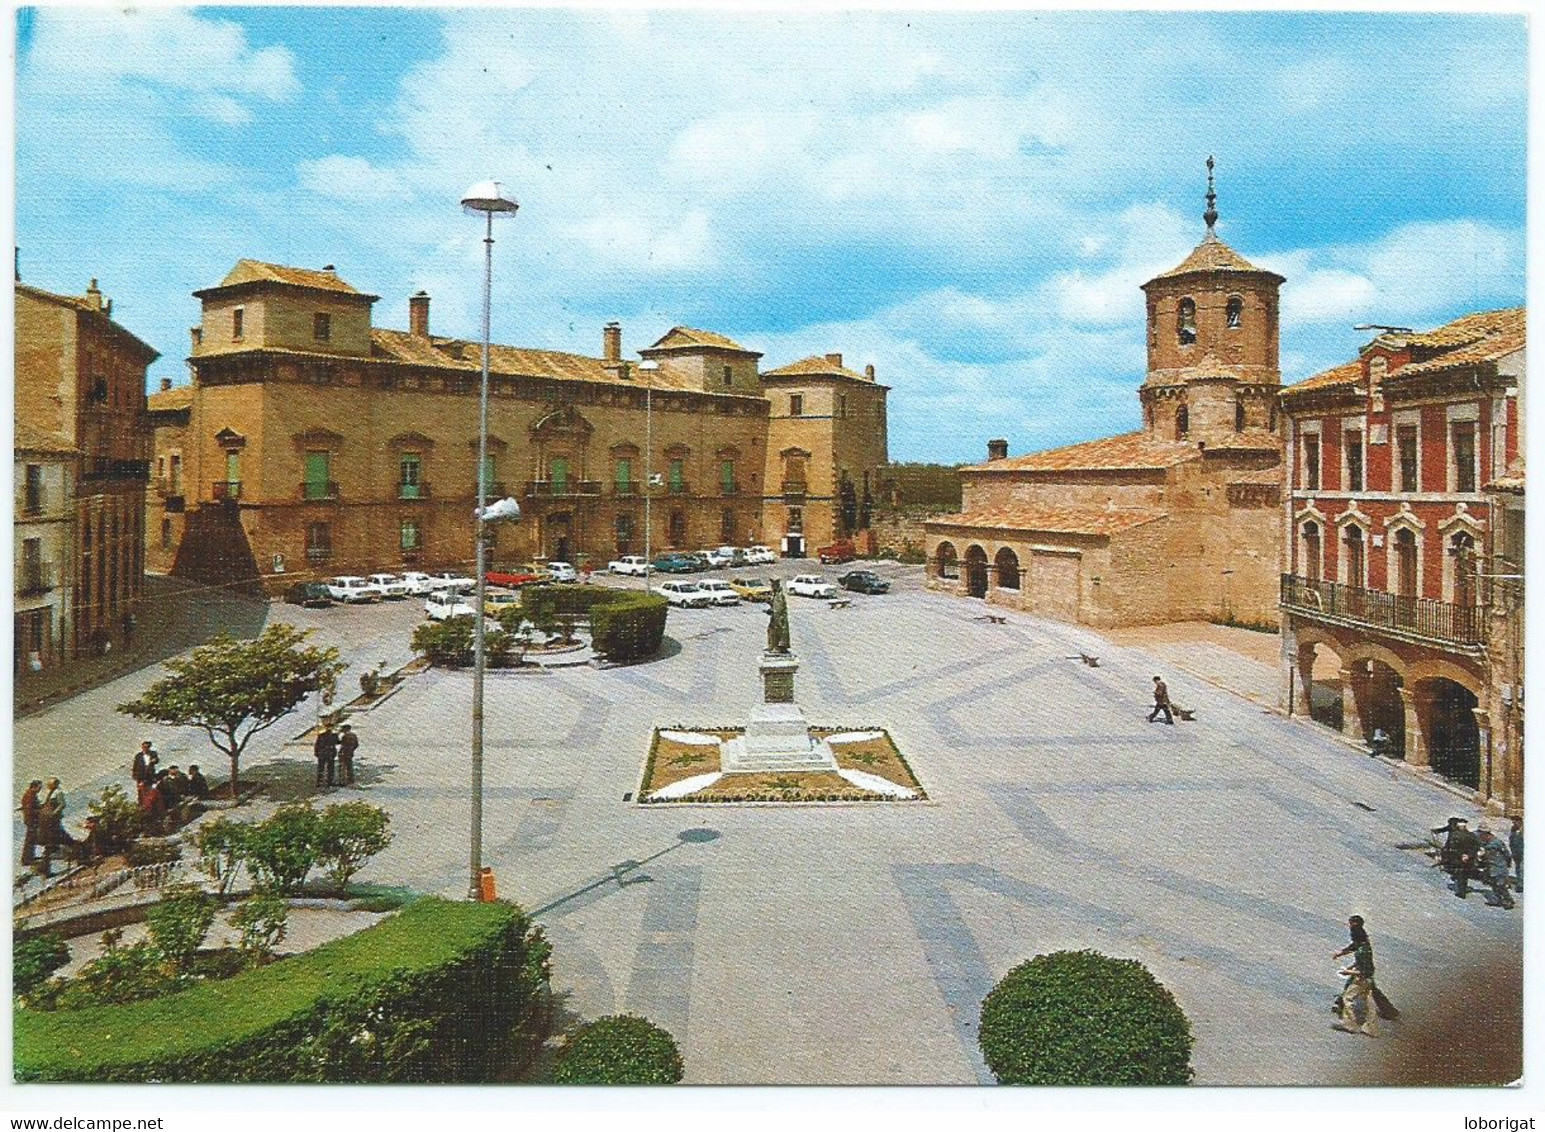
x=966, y=201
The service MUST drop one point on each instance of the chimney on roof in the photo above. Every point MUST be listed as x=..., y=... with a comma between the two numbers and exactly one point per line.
x=997, y=449
x=94, y=296
x=166, y=383
x=330, y=269
x=197, y=334
x=611, y=342
x=869, y=372
x=834, y=360
x=418, y=314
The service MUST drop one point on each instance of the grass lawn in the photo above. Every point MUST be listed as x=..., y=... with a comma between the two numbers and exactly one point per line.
x=671, y=761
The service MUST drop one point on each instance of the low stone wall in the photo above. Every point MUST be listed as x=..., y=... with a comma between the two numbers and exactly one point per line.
x=901, y=529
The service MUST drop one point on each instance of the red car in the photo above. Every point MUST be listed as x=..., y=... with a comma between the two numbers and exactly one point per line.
x=837, y=552
x=514, y=576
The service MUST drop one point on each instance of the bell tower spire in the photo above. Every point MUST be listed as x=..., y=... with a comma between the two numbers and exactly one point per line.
x=1211, y=215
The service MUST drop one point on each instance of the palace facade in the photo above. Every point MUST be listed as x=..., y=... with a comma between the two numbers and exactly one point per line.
x=313, y=442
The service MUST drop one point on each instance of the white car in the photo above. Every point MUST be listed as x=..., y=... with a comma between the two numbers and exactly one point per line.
x=562, y=572
x=630, y=564
x=389, y=586
x=449, y=580
x=718, y=559
x=418, y=582
x=687, y=594
x=760, y=556
x=721, y=592
x=811, y=585
x=350, y=588
x=442, y=605
x=733, y=556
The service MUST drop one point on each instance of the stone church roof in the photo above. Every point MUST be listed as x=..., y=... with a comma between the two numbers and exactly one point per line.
x=1129, y=451
x=1097, y=521
x=256, y=271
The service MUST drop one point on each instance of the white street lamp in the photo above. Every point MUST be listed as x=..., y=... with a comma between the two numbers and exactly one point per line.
x=648, y=368
x=487, y=199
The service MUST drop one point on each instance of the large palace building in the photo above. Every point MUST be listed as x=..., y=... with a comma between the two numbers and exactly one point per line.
x=314, y=442
x=1402, y=586
x=1175, y=522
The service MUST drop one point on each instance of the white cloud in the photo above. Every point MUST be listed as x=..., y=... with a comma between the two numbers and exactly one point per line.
x=352, y=179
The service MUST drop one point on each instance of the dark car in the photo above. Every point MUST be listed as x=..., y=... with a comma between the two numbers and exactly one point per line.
x=864, y=582
x=696, y=563
x=673, y=564
x=837, y=552
x=313, y=595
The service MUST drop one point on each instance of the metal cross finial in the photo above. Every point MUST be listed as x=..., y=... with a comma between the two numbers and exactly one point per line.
x=1211, y=215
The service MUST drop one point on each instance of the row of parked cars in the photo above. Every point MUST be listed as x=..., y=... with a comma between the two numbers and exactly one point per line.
x=711, y=591
x=693, y=561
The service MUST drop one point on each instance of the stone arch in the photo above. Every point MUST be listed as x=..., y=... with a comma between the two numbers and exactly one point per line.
x=1445, y=710
x=1006, y=569
x=1322, y=691
x=946, y=562
x=975, y=562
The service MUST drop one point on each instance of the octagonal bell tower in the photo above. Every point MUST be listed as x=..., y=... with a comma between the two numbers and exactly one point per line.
x=1212, y=342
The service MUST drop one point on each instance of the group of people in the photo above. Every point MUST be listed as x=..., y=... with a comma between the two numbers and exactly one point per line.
x=1483, y=856
x=42, y=815
x=334, y=752
x=165, y=796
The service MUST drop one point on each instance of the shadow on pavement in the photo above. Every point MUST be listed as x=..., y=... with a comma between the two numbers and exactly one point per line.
x=624, y=873
x=294, y=779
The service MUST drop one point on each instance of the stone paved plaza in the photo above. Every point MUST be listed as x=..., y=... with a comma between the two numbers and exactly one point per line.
x=854, y=944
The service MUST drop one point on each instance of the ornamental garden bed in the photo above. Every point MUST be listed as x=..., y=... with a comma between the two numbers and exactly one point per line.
x=673, y=761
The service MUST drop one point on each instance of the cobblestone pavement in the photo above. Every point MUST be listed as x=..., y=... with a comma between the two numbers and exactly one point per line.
x=827, y=945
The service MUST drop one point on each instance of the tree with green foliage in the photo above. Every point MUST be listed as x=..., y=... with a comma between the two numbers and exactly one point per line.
x=1082, y=1018
x=450, y=643
x=221, y=845
x=348, y=835
x=179, y=922
x=233, y=689
x=620, y=1049
x=261, y=919
x=282, y=849
x=35, y=960
x=119, y=819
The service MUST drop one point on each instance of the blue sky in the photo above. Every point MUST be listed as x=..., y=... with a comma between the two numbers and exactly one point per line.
x=967, y=201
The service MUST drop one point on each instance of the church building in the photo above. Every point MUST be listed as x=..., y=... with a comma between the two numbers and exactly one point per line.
x=1177, y=521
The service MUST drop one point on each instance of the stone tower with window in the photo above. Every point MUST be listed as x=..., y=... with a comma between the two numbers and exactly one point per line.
x=1212, y=344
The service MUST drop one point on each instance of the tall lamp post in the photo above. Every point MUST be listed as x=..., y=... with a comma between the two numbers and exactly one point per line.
x=648, y=368
x=487, y=199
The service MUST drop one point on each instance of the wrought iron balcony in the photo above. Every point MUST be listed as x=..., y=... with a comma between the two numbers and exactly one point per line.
x=562, y=489
x=418, y=490
x=793, y=489
x=1413, y=618
x=629, y=488
x=319, y=491
x=225, y=491
x=318, y=553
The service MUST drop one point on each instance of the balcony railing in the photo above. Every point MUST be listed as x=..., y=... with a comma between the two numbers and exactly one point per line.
x=314, y=491
x=225, y=491
x=318, y=553
x=677, y=487
x=629, y=488
x=418, y=490
x=793, y=489
x=562, y=489
x=105, y=470
x=1418, y=618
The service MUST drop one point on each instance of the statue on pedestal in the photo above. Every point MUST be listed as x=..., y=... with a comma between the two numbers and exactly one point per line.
x=778, y=621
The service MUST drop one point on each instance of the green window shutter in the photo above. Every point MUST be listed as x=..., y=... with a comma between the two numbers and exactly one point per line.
x=624, y=471
x=559, y=471
x=727, y=475
x=678, y=471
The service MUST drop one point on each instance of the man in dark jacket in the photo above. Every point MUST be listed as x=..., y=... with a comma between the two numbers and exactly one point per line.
x=1161, y=702
x=348, y=743
x=1463, y=852
x=326, y=751
x=198, y=785
x=31, y=812
x=1515, y=846
x=144, y=767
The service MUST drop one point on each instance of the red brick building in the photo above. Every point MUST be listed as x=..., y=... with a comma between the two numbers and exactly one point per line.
x=1392, y=542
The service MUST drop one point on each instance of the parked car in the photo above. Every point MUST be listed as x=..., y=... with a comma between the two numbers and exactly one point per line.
x=312, y=595
x=722, y=592
x=524, y=574
x=751, y=589
x=673, y=564
x=496, y=601
x=733, y=556
x=389, y=586
x=864, y=582
x=840, y=551
x=418, y=582
x=686, y=594
x=716, y=559
x=760, y=556
x=442, y=605
x=352, y=589
x=449, y=580
x=811, y=585
x=695, y=560
x=563, y=572
x=632, y=564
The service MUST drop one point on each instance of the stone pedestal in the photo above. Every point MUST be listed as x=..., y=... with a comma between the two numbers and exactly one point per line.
x=778, y=677
x=777, y=735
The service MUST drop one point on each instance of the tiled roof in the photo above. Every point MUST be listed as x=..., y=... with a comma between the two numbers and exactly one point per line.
x=1485, y=337
x=1131, y=450
x=73, y=301
x=29, y=438
x=1348, y=374
x=817, y=365
x=255, y=271
x=686, y=338
x=1212, y=254
x=85, y=306
x=178, y=397
x=1053, y=520
x=1470, y=328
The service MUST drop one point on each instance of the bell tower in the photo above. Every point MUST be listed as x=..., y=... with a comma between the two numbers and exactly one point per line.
x=1212, y=341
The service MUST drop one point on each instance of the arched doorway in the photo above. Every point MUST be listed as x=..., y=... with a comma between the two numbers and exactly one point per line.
x=1381, y=707
x=560, y=543
x=1453, y=736
x=1320, y=673
x=1405, y=562
x=1007, y=564
x=976, y=571
x=945, y=563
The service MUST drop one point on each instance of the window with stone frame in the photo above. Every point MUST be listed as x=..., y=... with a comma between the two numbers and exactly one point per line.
x=727, y=527
x=1462, y=456
x=319, y=542
x=1314, y=556
x=1311, y=468
x=34, y=498
x=410, y=534
x=796, y=404
x=238, y=323
x=1352, y=457
x=1354, y=556
x=1409, y=458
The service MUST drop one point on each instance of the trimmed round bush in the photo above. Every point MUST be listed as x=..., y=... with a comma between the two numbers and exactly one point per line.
x=621, y=1049
x=1082, y=1018
x=630, y=626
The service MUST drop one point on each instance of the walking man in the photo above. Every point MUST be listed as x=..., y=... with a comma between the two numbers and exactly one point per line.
x=31, y=809
x=326, y=751
x=348, y=743
x=1515, y=846
x=1359, y=1013
x=1161, y=703
x=144, y=767
x=1496, y=864
x=1463, y=853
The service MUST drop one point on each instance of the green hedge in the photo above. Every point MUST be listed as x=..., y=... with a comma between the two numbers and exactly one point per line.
x=629, y=627
x=1082, y=1018
x=441, y=992
x=622, y=1049
x=539, y=601
x=450, y=643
